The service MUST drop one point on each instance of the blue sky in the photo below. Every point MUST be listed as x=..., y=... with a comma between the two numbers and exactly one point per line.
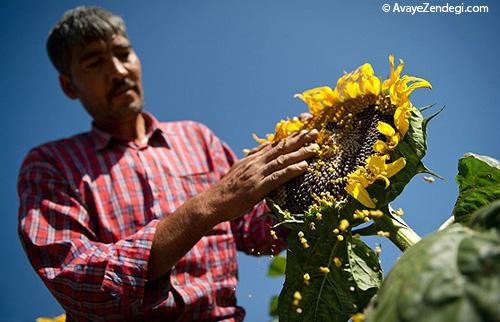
x=235, y=65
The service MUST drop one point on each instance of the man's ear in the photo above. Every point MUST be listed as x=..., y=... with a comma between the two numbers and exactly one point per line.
x=67, y=86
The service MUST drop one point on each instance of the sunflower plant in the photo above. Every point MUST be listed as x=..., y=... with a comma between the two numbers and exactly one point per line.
x=372, y=140
x=371, y=143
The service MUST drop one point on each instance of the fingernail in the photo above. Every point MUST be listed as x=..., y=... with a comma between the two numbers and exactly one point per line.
x=246, y=151
x=313, y=132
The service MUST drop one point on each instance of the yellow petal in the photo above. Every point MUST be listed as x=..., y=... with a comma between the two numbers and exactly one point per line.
x=259, y=140
x=319, y=93
x=395, y=167
x=316, y=108
x=394, y=75
x=359, y=176
x=366, y=69
x=399, y=69
x=401, y=120
x=380, y=146
x=385, y=179
x=385, y=129
x=60, y=318
x=375, y=87
x=391, y=63
x=376, y=163
x=352, y=89
x=388, y=82
x=393, y=141
x=417, y=82
x=356, y=190
x=286, y=127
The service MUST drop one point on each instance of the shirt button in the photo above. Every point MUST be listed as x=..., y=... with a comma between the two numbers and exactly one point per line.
x=115, y=295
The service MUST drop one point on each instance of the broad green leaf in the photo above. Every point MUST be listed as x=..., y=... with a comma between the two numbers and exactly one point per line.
x=366, y=272
x=452, y=275
x=416, y=135
x=327, y=296
x=486, y=218
x=277, y=266
x=365, y=265
x=479, y=184
x=273, y=306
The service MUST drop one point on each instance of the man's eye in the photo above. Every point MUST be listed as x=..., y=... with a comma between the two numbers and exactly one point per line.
x=123, y=56
x=95, y=63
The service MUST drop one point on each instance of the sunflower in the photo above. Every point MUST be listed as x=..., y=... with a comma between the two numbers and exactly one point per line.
x=60, y=318
x=360, y=122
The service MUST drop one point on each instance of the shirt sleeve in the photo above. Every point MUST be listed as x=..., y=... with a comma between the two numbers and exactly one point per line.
x=90, y=279
x=252, y=231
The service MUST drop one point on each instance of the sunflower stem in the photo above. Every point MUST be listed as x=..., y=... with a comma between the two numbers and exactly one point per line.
x=399, y=232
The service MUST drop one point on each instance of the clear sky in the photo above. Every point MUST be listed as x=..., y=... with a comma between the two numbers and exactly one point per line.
x=235, y=65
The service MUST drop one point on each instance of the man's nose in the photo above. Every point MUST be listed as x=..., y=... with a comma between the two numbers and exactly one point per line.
x=117, y=68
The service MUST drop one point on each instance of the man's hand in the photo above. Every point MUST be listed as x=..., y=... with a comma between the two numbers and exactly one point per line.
x=247, y=182
x=262, y=171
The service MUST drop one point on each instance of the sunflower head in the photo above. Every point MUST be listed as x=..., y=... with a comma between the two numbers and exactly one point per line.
x=361, y=123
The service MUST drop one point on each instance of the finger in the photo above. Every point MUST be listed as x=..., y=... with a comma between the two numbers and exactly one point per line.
x=284, y=160
x=305, y=116
x=248, y=152
x=290, y=144
x=280, y=177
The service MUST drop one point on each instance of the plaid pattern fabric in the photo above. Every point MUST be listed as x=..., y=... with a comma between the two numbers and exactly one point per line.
x=89, y=207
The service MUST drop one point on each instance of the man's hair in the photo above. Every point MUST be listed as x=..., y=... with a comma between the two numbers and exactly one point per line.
x=80, y=26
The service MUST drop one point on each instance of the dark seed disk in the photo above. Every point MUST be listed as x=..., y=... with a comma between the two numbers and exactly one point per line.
x=355, y=146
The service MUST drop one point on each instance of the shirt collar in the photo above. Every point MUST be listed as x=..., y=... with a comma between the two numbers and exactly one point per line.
x=154, y=130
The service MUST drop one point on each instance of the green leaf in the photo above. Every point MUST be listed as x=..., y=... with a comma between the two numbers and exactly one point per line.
x=277, y=266
x=335, y=295
x=416, y=135
x=422, y=168
x=452, y=275
x=273, y=306
x=479, y=184
x=428, y=119
x=486, y=218
x=425, y=108
x=365, y=268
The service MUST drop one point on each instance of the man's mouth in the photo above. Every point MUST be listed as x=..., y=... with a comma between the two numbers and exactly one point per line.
x=122, y=91
x=123, y=88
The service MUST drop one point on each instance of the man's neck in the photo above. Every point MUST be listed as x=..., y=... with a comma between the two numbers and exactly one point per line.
x=133, y=129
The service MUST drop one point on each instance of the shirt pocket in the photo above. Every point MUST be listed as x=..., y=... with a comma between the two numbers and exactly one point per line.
x=195, y=183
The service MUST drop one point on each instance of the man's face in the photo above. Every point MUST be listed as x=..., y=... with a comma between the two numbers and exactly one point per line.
x=106, y=78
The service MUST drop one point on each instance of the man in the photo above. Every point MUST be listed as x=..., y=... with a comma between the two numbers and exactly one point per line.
x=136, y=219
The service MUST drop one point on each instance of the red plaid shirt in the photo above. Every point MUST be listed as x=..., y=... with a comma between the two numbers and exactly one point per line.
x=89, y=207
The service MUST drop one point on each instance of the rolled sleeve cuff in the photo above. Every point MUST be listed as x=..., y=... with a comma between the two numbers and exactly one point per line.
x=126, y=273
